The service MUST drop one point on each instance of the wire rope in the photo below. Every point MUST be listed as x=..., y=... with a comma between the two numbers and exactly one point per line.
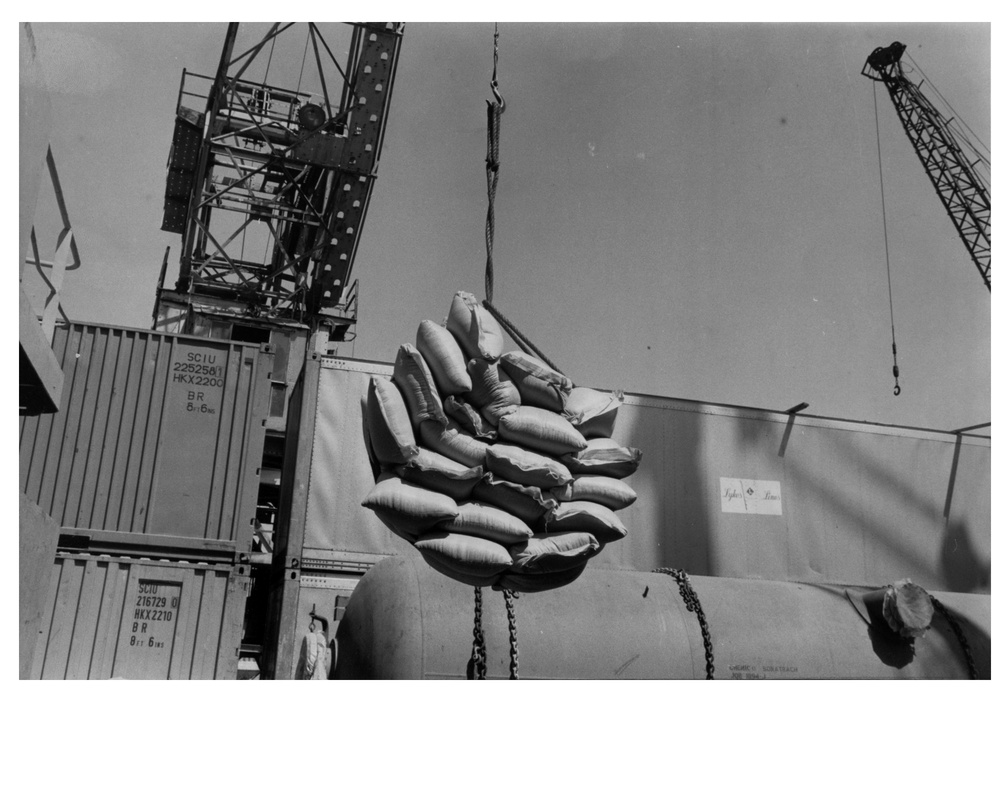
x=494, y=110
x=267, y=69
x=944, y=100
x=302, y=68
x=885, y=235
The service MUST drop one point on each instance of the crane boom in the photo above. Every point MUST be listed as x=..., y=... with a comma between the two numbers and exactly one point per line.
x=269, y=185
x=963, y=194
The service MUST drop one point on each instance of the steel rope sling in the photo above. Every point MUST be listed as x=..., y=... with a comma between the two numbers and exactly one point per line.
x=494, y=108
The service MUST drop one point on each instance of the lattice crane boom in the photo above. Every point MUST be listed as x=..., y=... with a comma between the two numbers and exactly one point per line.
x=269, y=185
x=965, y=197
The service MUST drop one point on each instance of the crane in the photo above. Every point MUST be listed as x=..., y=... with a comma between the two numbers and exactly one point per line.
x=964, y=195
x=269, y=185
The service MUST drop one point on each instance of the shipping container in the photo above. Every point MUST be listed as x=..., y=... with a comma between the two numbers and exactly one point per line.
x=157, y=434
x=38, y=537
x=303, y=589
x=215, y=318
x=322, y=601
x=314, y=596
x=336, y=530
x=722, y=490
x=116, y=617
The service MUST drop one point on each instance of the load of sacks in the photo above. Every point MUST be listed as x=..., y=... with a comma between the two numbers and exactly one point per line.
x=494, y=466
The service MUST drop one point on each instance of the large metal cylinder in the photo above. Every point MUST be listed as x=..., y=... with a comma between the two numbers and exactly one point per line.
x=405, y=620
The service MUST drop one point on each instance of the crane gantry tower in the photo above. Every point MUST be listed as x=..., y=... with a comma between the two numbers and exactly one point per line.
x=268, y=185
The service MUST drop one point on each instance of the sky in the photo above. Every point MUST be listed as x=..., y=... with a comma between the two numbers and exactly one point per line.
x=684, y=209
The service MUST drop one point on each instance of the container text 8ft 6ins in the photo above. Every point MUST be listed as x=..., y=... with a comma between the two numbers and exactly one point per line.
x=157, y=434
x=155, y=452
x=110, y=617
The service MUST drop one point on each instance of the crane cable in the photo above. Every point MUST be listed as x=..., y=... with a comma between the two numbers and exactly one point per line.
x=493, y=111
x=965, y=125
x=302, y=67
x=267, y=69
x=477, y=664
x=885, y=234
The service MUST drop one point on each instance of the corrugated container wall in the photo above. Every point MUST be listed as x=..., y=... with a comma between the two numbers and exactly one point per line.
x=112, y=617
x=723, y=491
x=157, y=434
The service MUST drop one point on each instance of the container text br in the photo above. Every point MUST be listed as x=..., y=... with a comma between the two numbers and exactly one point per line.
x=747, y=496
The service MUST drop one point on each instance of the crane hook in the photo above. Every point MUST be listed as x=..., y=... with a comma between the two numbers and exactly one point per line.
x=895, y=367
x=496, y=93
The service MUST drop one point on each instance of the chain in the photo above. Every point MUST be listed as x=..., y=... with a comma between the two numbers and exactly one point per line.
x=477, y=664
x=692, y=603
x=959, y=634
x=508, y=598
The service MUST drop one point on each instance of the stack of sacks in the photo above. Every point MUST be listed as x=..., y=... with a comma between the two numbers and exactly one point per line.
x=492, y=464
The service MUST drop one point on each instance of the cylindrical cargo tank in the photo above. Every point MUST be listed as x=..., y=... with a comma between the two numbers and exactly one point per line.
x=405, y=620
